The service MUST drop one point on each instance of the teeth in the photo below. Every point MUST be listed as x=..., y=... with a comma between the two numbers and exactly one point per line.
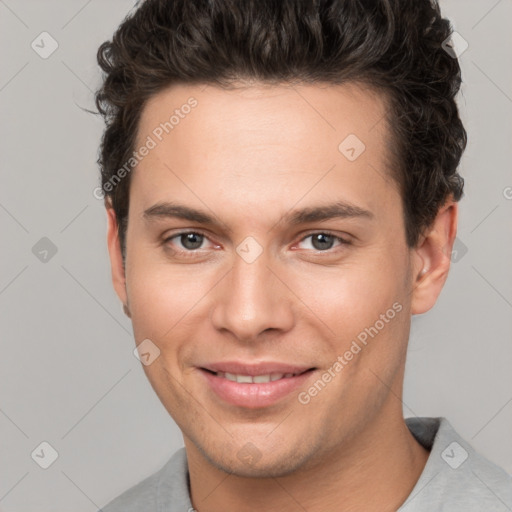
x=261, y=378
x=258, y=379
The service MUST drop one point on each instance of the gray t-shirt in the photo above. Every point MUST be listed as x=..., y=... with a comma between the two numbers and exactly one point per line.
x=455, y=479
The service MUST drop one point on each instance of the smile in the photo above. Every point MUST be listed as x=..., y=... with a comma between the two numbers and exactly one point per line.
x=254, y=388
x=258, y=379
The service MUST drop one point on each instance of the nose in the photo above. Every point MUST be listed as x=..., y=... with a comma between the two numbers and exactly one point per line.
x=251, y=299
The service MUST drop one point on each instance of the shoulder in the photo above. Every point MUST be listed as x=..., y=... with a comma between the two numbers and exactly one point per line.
x=167, y=485
x=456, y=477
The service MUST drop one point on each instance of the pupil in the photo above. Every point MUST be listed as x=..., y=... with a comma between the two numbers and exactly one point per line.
x=321, y=238
x=188, y=240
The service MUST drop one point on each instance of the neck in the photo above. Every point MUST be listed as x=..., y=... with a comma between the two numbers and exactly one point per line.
x=373, y=472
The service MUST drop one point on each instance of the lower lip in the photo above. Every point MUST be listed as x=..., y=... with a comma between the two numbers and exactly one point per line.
x=255, y=395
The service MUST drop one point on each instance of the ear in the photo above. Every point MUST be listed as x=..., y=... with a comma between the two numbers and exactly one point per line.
x=432, y=257
x=116, y=258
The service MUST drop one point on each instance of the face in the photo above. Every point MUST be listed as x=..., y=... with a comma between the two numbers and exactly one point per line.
x=267, y=263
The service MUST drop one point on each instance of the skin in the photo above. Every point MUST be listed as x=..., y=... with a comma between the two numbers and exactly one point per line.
x=250, y=156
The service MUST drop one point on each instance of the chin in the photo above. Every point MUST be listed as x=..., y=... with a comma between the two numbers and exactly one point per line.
x=249, y=461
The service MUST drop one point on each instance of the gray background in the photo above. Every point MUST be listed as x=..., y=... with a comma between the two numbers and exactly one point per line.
x=69, y=376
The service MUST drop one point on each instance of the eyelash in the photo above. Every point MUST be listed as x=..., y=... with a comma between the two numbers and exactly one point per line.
x=192, y=253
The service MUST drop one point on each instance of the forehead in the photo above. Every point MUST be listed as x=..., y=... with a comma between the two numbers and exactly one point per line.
x=294, y=111
x=260, y=143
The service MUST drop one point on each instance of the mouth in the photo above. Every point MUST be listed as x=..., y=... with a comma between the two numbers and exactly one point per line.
x=255, y=379
x=254, y=386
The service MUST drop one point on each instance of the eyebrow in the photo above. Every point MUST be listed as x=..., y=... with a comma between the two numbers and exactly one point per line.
x=339, y=209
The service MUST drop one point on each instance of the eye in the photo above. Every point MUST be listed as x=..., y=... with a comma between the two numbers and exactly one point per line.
x=323, y=241
x=190, y=240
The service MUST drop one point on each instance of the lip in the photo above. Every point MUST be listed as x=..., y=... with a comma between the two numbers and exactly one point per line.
x=254, y=395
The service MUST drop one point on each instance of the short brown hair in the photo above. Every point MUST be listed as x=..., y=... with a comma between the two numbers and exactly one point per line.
x=394, y=46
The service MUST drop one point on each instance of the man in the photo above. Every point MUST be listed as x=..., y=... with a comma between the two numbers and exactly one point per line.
x=281, y=187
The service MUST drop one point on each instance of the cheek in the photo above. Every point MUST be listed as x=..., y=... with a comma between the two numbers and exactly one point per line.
x=364, y=305
x=155, y=308
x=351, y=297
x=168, y=303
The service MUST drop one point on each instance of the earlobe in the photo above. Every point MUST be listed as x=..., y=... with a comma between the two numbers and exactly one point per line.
x=116, y=258
x=432, y=257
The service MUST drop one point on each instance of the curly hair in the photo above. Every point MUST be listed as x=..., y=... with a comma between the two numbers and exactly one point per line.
x=394, y=46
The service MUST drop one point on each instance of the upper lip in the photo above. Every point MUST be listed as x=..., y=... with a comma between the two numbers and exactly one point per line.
x=263, y=368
